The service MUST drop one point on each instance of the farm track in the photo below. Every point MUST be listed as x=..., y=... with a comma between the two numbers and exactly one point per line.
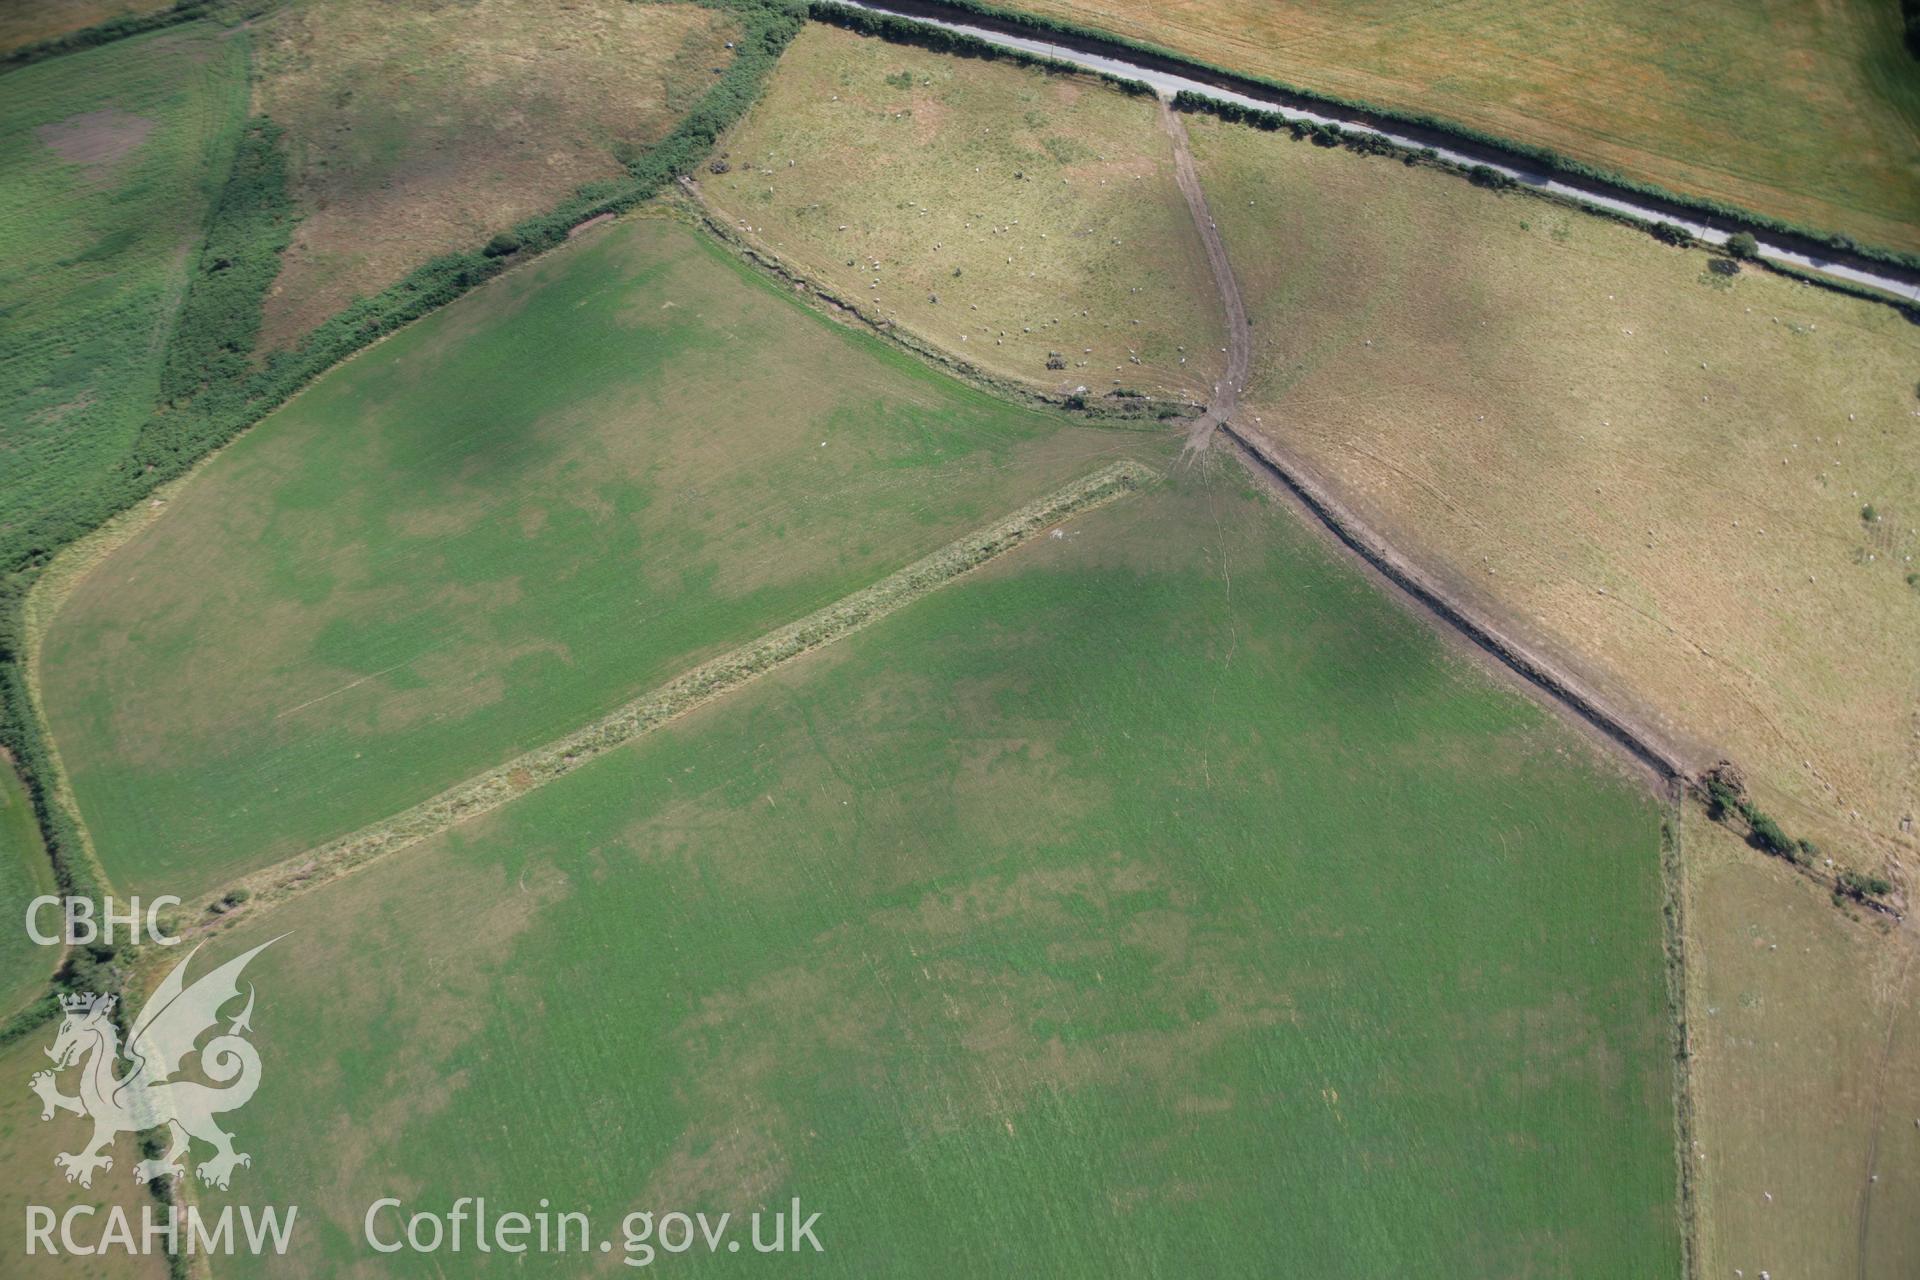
x=275, y=885
x=1169, y=76
x=1566, y=692
x=1226, y=392
x=1272, y=462
x=315, y=868
x=1562, y=690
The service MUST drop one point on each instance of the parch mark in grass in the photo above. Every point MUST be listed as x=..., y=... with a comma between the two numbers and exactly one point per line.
x=270, y=886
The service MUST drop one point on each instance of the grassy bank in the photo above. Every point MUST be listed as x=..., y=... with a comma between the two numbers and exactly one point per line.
x=1025, y=221
x=432, y=561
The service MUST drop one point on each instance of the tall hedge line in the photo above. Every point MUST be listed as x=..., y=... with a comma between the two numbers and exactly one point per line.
x=132, y=24
x=219, y=320
x=1740, y=245
x=1728, y=217
x=900, y=30
x=212, y=391
x=1328, y=135
x=218, y=329
x=88, y=969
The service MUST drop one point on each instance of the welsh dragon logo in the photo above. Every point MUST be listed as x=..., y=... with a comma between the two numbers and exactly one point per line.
x=148, y=1095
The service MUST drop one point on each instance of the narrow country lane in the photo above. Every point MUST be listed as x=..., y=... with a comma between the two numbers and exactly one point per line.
x=1901, y=284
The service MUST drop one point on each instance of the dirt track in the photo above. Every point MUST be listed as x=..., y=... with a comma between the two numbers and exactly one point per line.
x=1272, y=462
x=1226, y=392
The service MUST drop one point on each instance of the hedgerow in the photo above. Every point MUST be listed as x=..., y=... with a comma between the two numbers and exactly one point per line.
x=1726, y=798
x=219, y=320
x=212, y=390
x=1740, y=245
x=106, y=33
x=1467, y=137
x=900, y=30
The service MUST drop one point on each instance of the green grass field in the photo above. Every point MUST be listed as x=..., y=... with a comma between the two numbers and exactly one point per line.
x=24, y=874
x=108, y=159
x=1161, y=900
x=1807, y=112
x=558, y=492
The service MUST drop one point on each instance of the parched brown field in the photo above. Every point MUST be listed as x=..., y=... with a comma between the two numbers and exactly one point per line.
x=416, y=128
x=1809, y=112
x=25, y=22
x=1805, y=1030
x=1659, y=477
x=1658, y=473
x=1038, y=209
x=27, y=1147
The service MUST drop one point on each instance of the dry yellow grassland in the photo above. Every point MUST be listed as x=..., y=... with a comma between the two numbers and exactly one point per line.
x=1659, y=474
x=416, y=128
x=1807, y=112
x=1001, y=213
x=1805, y=1025
x=25, y=22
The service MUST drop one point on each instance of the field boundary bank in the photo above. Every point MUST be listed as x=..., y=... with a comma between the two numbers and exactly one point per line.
x=1804, y=252
x=1565, y=693
x=30, y=550
x=1673, y=917
x=1119, y=413
x=1562, y=687
x=174, y=439
x=104, y=33
x=271, y=886
x=1541, y=677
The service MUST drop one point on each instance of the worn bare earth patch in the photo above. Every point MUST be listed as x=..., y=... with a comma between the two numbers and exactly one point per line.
x=95, y=137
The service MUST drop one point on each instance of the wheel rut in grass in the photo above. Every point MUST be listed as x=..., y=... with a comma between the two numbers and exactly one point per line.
x=1272, y=462
x=1226, y=392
